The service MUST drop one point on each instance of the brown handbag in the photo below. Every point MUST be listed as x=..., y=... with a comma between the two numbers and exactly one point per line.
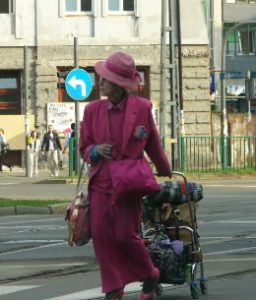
x=78, y=215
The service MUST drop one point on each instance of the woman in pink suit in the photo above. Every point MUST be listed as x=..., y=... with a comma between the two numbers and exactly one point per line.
x=119, y=127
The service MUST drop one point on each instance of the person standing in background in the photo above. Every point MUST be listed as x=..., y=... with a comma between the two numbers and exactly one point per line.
x=3, y=150
x=51, y=144
x=34, y=146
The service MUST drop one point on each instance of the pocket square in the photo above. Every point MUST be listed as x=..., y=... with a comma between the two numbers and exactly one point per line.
x=140, y=132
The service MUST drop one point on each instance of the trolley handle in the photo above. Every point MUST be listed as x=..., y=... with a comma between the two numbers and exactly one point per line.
x=179, y=174
x=187, y=196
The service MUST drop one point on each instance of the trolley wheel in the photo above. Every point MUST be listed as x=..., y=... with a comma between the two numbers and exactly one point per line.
x=159, y=290
x=204, y=286
x=194, y=290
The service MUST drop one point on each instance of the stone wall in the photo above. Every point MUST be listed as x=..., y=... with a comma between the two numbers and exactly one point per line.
x=42, y=79
x=196, y=83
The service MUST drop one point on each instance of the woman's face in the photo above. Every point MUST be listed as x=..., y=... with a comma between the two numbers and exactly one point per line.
x=107, y=88
x=34, y=134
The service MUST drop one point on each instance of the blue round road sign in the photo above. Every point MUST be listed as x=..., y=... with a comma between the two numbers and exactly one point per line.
x=78, y=84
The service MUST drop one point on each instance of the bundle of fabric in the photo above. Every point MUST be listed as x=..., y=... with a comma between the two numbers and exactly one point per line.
x=167, y=256
x=172, y=203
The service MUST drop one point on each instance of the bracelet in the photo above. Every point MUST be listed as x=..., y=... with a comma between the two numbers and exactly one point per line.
x=94, y=155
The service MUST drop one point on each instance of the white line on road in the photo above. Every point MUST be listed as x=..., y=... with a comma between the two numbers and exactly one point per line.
x=32, y=220
x=96, y=293
x=231, y=251
x=226, y=239
x=31, y=241
x=32, y=249
x=229, y=185
x=86, y=294
x=234, y=222
x=38, y=227
x=44, y=265
x=9, y=289
x=230, y=259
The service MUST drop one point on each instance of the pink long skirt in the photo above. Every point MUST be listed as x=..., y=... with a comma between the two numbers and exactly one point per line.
x=121, y=254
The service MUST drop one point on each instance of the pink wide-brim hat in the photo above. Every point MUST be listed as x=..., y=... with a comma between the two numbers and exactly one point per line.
x=120, y=69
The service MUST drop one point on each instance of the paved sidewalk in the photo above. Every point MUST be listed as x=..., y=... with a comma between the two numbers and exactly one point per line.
x=16, y=185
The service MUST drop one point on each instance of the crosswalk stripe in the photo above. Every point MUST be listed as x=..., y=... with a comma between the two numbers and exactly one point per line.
x=94, y=293
x=10, y=289
x=89, y=294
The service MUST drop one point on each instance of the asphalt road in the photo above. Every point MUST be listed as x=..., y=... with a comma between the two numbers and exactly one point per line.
x=33, y=245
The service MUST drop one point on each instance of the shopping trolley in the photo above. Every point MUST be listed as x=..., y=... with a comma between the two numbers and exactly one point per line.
x=169, y=229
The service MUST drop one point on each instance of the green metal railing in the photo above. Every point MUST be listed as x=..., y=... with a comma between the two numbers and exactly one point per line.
x=72, y=156
x=205, y=154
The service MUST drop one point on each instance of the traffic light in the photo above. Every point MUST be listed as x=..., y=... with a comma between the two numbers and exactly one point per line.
x=61, y=79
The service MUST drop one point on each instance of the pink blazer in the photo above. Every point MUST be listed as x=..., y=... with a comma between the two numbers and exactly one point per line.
x=95, y=130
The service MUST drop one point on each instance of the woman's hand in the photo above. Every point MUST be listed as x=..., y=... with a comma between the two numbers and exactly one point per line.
x=105, y=150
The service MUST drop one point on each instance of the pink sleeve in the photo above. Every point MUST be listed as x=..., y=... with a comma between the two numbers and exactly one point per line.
x=155, y=150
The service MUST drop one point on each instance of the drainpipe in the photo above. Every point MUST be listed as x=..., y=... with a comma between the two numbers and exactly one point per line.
x=180, y=89
x=35, y=93
x=211, y=31
x=180, y=86
x=26, y=108
x=162, y=114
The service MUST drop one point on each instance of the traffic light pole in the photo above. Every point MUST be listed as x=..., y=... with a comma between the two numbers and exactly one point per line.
x=77, y=153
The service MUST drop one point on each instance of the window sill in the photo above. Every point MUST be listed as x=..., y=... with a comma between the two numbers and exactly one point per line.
x=121, y=13
x=78, y=14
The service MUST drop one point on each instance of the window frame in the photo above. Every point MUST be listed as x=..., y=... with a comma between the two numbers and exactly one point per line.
x=13, y=106
x=241, y=2
x=121, y=11
x=237, y=43
x=10, y=8
x=78, y=12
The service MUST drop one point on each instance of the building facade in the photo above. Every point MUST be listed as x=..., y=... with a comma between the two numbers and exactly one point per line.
x=234, y=22
x=37, y=42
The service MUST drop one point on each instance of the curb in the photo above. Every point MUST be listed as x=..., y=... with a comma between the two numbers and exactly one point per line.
x=89, y=266
x=55, y=181
x=33, y=210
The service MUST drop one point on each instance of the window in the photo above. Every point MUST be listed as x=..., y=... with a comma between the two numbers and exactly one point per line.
x=10, y=99
x=240, y=1
x=6, y=6
x=242, y=41
x=76, y=6
x=143, y=89
x=121, y=5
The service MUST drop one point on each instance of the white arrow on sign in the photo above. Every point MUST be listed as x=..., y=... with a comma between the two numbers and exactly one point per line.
x=74, y=82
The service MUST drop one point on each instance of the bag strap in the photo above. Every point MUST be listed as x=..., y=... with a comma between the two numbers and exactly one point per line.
x=80, y=181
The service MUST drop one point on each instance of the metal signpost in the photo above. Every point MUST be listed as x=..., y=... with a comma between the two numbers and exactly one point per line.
x=78, y=85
